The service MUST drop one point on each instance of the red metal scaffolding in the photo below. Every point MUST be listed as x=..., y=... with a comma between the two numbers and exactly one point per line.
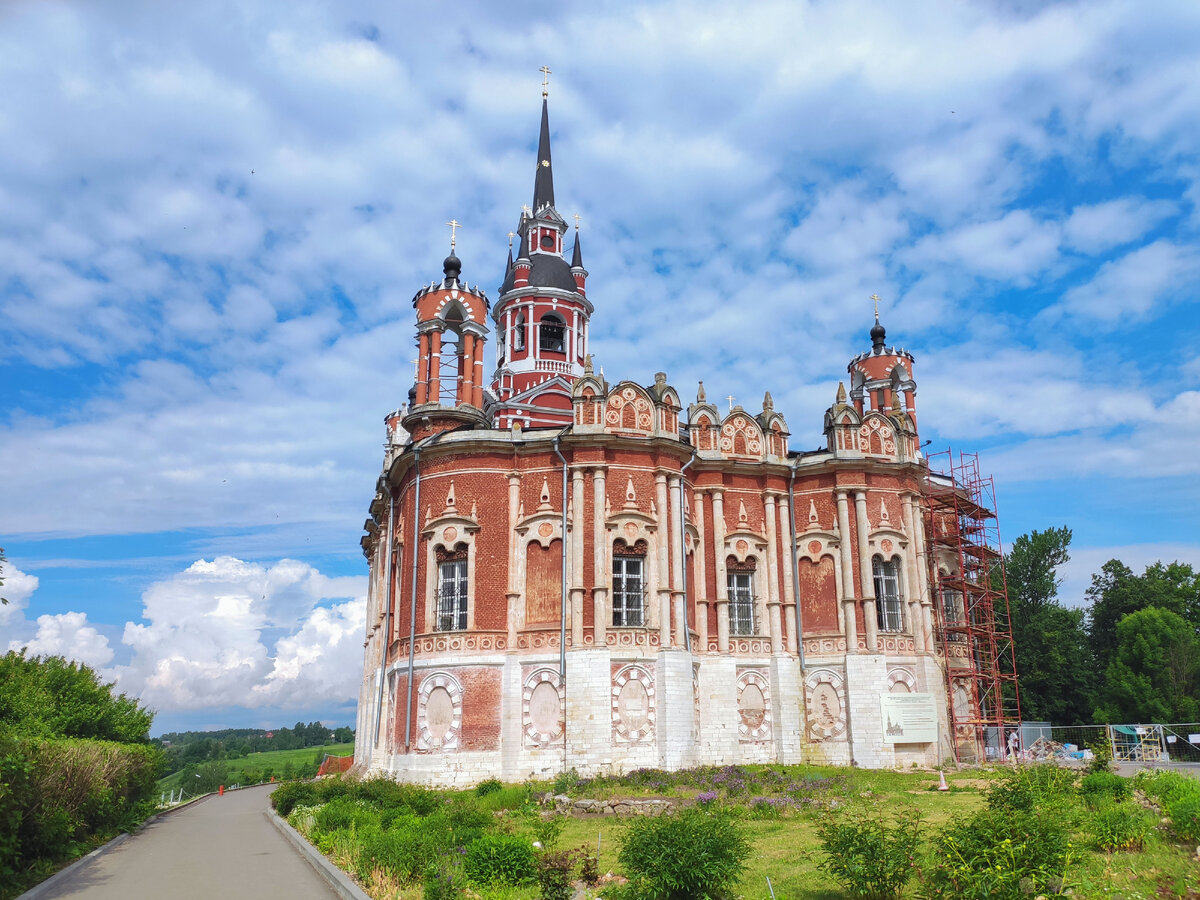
x=966, y=566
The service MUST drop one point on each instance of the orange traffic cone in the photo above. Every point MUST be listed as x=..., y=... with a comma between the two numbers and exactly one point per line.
x=221, y=791
x=942, y=786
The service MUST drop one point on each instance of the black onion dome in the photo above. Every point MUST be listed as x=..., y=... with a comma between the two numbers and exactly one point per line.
x=452, y=266
x=878, y=336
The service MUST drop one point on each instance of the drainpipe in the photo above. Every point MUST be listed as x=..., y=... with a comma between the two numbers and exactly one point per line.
x=796, y=565
x=387, y=624
x=412, y=612
x=562, y=631
x=687, y=632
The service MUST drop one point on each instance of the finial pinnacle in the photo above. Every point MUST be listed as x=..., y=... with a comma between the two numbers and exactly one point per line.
x=454, y=226
x=576, y=218
x=511, y=235
x=875, y=297
x=545, y=70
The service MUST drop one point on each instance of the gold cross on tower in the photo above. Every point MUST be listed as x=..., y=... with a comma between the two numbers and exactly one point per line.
x=545, y=70
x=730, y=399
x=576, y=218
x=875, y=297
x=525, y=209
x=511, y=235
x=454, y=226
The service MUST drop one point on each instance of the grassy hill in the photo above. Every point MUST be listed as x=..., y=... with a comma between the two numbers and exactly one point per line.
x=271, y=761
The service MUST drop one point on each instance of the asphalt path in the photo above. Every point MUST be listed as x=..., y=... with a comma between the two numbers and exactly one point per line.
x=219, y=847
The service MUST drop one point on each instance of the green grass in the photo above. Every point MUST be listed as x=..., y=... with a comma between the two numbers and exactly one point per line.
x=259, y=762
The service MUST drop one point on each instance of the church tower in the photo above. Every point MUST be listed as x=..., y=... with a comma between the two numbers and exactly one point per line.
x=451, y=335
x=542, y=313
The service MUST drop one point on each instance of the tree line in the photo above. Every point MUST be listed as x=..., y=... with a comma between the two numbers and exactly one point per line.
x=1130, y=654
x=191, y=748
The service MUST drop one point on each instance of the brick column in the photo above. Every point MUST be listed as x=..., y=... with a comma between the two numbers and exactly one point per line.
x=435, y=375
x=515, y=612
x=600, y=547
x=772, y=592
x=718, y=498
x=916, y=620
x=865, y=573
x=700, y=589
x=422, y=369
x=663, y=568
x=850, y=614
x=576, y=557
x=789, y=593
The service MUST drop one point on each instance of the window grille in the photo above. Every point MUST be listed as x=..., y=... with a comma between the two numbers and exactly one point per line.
x=629, y=592
x=452, y=595
x=519, y=333
x=888, y=603
x=552, y=334
x=741, y=603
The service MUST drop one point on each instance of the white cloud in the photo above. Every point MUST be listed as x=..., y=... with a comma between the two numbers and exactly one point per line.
x=1102, y=226
x=1012, y=248
x=70, y=635
x=1086, y=561
x=18, y=587
x=1130, y=287
x=231, y=633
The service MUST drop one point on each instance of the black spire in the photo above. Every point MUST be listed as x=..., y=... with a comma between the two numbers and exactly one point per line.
x=543, y=182
x=577, y=255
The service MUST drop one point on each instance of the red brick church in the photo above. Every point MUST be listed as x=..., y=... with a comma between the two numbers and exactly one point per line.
x=571, y=572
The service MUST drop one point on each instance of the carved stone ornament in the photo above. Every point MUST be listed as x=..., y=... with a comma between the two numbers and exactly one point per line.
x=754, y=706
x=542, y=707
x=439, y=712
x=633, y=704
x=824, y=701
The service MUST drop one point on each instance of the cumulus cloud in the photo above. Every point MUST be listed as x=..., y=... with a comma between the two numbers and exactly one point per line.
x=69, y=635
x=1101, y=226
x=1130, y=287
x=225, y=632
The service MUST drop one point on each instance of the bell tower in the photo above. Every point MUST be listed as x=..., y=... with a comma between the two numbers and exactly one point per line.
x=451, y=335
x=542, y=313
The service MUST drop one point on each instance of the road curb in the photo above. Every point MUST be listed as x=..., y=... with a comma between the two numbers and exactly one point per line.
x=42, y=887
x=342, y=884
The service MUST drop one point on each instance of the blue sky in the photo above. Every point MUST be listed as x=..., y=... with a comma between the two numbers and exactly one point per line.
x=213, y=217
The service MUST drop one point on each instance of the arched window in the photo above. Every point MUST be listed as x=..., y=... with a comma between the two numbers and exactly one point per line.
x=452, y=589
x=629, y=584
x=888, y=602
x=552, y=334
x=740, y=582
x=519, y=332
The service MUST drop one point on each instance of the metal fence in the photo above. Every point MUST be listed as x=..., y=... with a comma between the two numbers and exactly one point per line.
x=1143, y=743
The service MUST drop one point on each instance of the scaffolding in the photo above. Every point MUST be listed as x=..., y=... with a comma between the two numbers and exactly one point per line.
x=967, y=569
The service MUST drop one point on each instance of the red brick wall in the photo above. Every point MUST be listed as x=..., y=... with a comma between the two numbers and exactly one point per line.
x=818, y=596
x=543, y=583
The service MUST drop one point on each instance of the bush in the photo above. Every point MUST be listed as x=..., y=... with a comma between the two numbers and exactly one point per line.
x=467, y=820
x=405, y=850
x=1028, y=787
x=548, y=828
x=488, y=786
x=514, y=796
x=693, y=853
x=1179, y=797
x=500, y=859
x=343, y=814
x=555, y=874
x=57, y=796
x=866, y=856
x=287, y=797
x=1000, y=853
x=1184, y=812
x=388, y=794
x=1120, y=826
x=443, y=881
x=1102, y=787
x=565, y=782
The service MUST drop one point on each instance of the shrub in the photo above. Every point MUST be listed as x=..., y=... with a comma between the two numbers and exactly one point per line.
x=565, y=782
x=1000, y=853
x=488, y=786
x=467, y=820
x=1102, y=756
x=868, y=857
x=693, y=853
x=1027, y=787
x=589, y=866
x=443, y=881
x=555, y=870
x=404, y=851
x=1120, y=826
x=1179, y=797
x=1103, y=786
x=1184, y=812
x=548, y=828
x=344, y=813
x=287, y=797
x=388, y=794
x=500, y=859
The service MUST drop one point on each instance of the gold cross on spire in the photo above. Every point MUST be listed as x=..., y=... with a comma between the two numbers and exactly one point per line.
x=525, y=209
x=545, y=70
x=875, y=297
x=576, y=218
x=511, y=235
x=730, y=399
x=454, y=226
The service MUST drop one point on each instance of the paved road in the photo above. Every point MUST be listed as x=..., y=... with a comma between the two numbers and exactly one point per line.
x=221, y=847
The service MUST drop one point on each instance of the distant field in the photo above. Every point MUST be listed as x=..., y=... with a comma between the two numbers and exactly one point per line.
x=272, y=759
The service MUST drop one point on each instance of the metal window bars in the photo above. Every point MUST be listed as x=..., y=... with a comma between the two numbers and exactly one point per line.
x=452, y=596
x=629, y=591
x=741, y=603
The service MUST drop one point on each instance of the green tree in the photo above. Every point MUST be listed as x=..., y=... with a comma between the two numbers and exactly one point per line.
x=50, y=696
x=1154, y=675
x=1052, y=654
